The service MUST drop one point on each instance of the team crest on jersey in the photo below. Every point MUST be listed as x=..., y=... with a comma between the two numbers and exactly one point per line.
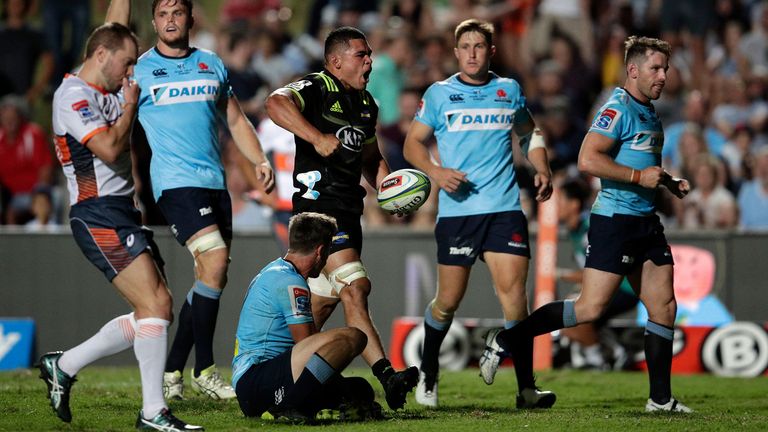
x=300, y=302
x=607, y=119
x=84, y=109
x=204, y=69
x=501, y=96
x=351, y=138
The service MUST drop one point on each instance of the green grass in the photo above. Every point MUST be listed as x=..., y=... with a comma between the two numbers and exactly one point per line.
x=107, y=399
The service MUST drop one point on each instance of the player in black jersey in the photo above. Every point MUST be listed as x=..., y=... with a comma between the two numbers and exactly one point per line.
x=333, y=119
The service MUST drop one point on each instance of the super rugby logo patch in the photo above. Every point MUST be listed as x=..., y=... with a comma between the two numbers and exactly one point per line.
x=83, y=109
x=607, y=119
x=300, y=303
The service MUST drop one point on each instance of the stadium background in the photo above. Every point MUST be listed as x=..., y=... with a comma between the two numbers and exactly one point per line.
x=565, y=55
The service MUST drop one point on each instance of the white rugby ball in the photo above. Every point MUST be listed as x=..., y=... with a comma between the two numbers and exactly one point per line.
x=404, y=191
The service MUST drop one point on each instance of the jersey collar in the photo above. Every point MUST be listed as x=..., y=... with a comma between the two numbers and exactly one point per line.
x=189, y=53
x=491, y=76
x=645, y=104
x=99, y=88
x=338, y=82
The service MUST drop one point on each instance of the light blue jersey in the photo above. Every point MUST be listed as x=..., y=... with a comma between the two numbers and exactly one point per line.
x=278, y=296
x=178, y=110
x=473, y=126
x=638, y=140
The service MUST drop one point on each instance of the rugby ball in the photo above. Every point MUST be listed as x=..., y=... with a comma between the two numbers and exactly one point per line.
x=404, y=191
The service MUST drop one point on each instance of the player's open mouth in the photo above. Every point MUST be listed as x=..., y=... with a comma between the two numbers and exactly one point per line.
x=170, y=29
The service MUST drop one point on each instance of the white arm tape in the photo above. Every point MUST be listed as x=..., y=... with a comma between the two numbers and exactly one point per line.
x=532, y=140
x=206, y=242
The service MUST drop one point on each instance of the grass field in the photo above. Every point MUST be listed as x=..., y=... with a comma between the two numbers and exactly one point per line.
x=107, y=399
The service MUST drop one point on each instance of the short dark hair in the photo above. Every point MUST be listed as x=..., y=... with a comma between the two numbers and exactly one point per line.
x=341, y=37
x=111, y=36
x=578, y=189
x=637, y=46
x=475, y=25
x=308, y=230
x=187, y=3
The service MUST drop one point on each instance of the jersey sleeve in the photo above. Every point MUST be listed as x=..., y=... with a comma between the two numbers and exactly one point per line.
x=428, y=108
x=610, y=121
x=307, y=89
x=80, y=115
x=225, y=84
x=294, y=302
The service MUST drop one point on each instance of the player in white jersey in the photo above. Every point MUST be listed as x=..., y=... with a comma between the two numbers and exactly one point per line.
x=184, y=91
x=92, y=127
x=473, y=114
x=623, y=148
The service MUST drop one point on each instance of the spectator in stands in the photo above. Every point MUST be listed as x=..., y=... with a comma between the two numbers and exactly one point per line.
x=738, y=109
x=65, y=24
x=564, y=133
x=22, y=50
x=42, y=210
x=754, y=45
x=25, y=159
x=570, y=17
x=388, y=77
x=696, y=111
x=737, y=153
x=693, y=17
x=753, y=197
x=709, y=205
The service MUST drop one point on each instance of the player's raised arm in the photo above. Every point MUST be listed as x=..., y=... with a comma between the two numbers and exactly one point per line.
x=283, y=108
x=244, y=135
x=119, y=11
x=416, y=153
x=108, y=144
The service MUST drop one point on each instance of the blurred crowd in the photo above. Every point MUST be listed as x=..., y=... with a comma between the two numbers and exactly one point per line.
x=567, y=54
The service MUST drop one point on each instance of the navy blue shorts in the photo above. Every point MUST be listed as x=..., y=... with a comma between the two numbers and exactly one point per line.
x=188, y=210
x=264, y=385
x=350, y=234
x=461, y=239
x=110, y=234
x=621, y=243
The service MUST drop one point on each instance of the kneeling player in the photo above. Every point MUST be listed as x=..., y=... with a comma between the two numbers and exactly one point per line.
x=282, y=363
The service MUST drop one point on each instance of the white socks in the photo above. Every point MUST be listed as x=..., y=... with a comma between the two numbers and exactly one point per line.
x=116, y=335
x=150, y=348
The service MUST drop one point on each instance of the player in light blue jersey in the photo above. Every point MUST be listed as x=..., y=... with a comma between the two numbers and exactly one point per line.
x=282, y=363
x=626, y=238
x=184, y=91
x=473, y=114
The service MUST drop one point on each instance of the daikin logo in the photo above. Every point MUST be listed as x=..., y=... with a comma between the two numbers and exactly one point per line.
x=185, y=91
x=479, y=119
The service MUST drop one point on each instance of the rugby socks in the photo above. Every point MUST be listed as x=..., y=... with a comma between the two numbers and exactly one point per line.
x=658, y=356
x=316, y=372
x=115, y=336
x=522, y=355
x=434, y=333
x=382, y=370
x=150, y=346
x=184, y=339
x=205, y=311
x=548, y=318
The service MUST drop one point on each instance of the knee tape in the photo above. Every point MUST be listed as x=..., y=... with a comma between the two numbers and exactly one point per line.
x=346, y=274
x=206, y=242
x=440, y=314
x=320, y=286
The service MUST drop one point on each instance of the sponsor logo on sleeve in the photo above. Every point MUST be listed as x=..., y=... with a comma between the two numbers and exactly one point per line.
x=300, y=302
x=298, y=85
x=83, y=109
x=607, y=119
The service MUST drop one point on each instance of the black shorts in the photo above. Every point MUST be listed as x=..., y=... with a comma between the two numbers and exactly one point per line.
x=350, y=234
x=621, y=243
x=461, y=239
x=188, y=210
x=264, y=385
x=110, y=234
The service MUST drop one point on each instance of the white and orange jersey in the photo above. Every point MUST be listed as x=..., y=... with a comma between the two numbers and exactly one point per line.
x=279, y=145
x=80, y=111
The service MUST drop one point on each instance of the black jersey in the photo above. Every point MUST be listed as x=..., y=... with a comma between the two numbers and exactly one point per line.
x=332, y=183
